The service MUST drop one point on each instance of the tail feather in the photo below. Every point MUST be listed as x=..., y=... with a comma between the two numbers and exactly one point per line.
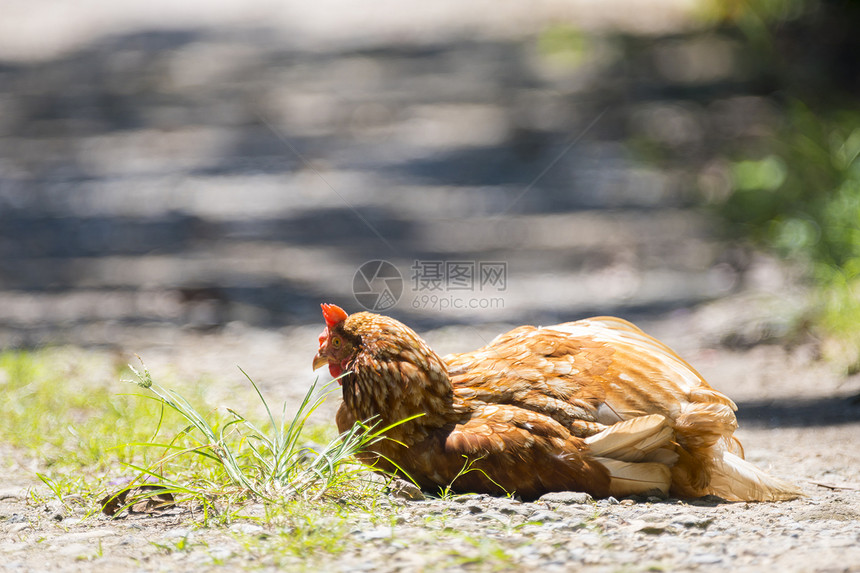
x=632, y=440
x=628, y=478
x=636, y=454
x=697, y=456
x=701, y=425
x=703, y=431
x=735, y=479
x=668, y=456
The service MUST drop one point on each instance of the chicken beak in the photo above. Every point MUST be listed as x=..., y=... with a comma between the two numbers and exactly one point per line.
x=319, y=360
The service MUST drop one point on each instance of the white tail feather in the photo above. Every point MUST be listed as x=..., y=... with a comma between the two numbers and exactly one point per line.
x=634, y=452
x=632, y=440
x=667, y=456
x=735, y=479
x=628, y=478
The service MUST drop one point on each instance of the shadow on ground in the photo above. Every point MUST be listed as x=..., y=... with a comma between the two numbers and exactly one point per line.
x=803, y=413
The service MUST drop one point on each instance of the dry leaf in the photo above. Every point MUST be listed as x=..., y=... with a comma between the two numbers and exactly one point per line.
x=149, y=499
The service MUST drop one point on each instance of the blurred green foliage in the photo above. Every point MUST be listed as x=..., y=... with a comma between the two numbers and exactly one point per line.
x=803, y=201
x=800, y=193
x=803, y=198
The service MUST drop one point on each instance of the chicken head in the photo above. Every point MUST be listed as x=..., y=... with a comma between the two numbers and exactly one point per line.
x=335, y=349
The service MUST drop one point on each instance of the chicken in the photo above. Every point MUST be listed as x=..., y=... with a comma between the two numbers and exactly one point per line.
x=595, y=405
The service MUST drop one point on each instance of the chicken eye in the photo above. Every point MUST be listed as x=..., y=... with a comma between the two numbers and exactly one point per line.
x=335, y=342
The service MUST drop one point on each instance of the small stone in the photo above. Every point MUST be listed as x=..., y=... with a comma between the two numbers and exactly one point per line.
x=55, y=511
x=403, y=489
x=566, y=497
x=689, y=520
x=514, y=510
x=653, y=529
x=542, y=516
x=493, y=516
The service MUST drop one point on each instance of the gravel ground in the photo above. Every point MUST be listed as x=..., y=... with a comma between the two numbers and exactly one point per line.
x=807, y=435
x=819, y=532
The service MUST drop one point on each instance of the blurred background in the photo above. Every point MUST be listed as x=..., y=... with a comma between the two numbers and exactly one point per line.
x=176, y=170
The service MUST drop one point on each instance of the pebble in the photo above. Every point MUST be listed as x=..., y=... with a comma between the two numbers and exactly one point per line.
x=566, y=497
x=544, y=516
x=403, y=489
x=514, y=510
x=653, y=528
x=689, y=520
x=494, y=516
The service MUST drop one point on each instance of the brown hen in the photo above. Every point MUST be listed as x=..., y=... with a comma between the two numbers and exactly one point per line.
x=595, y=405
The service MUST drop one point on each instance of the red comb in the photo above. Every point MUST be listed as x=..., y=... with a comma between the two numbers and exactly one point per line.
x=333, y=314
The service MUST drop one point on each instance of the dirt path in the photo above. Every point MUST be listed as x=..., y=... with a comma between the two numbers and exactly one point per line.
x=806, y=435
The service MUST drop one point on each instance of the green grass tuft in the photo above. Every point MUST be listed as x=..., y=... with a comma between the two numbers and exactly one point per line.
x=235, y=458
x=63, y=421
